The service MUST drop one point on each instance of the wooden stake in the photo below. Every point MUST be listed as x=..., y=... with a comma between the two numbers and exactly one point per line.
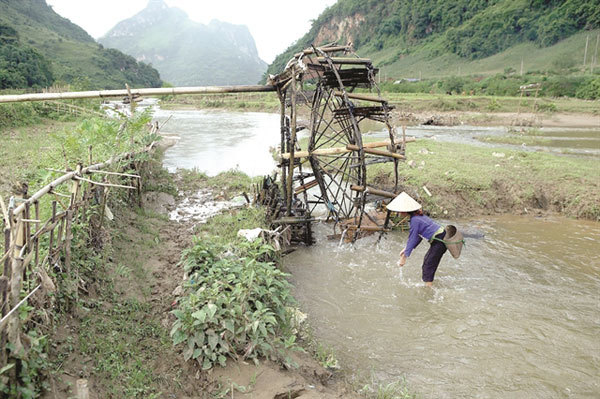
x=3, y=312
x=68, y=238
x=82, y=389
x=51, y=244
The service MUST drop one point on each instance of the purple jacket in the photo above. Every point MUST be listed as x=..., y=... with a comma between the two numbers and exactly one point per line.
x=420, y=227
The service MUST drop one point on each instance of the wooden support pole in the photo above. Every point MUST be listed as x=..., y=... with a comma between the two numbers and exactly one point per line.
x=306, y=186
x=53, y=221
x=374, y=191
x=292, y=145
x=362, y=97
x=348, y=148
x=345, y=60
x=3, y=311
x=68, y=238
x=374, y=151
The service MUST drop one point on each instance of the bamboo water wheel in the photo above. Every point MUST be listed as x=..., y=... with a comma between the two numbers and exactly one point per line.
x=318, y=93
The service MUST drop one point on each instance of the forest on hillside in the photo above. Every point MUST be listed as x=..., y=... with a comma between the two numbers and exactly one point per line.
x=471, y=29
x=39, y=48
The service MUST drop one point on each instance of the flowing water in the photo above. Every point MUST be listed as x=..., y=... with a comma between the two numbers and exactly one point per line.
x=215, y=141
x=517, y=316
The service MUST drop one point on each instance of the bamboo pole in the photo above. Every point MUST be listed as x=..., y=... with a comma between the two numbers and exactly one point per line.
x=362, y=97
x=53, y=221
x=97, y=183
x=292, y=148
x=136, y=92
x=37, y=229
x=3, y=312
x=324, y=49
x=344, y=60
x=342, y=150
x=374, y=151
x=374, y=191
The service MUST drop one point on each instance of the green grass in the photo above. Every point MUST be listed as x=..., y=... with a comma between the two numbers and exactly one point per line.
x=516, y=140
x=414, y=102
x=466, y=179
x=421, y=64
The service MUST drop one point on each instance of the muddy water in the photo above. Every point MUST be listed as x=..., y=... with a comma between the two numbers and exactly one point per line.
x=517, y=316
x=215, y=141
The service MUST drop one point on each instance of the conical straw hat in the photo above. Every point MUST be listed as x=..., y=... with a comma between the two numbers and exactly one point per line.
x=403, y=203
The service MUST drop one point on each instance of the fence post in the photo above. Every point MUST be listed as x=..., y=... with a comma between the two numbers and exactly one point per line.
x=16, y=284
x=3, y=312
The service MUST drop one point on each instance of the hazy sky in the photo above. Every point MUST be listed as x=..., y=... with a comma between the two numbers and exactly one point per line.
x=274, y=24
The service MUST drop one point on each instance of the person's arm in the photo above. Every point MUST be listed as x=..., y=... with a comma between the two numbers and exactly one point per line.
x=414, y=239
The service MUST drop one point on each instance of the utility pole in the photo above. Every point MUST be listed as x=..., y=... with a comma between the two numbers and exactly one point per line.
x=587, y=39
x=595, y=60
x=521, y=66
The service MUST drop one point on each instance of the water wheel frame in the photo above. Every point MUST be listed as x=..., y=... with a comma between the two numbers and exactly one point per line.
x=337, y=156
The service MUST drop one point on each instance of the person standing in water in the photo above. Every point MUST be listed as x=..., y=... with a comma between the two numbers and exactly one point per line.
x=421, y=227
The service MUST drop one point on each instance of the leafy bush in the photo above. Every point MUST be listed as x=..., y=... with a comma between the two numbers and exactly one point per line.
x=236, y=304
x=590, y=90
x=20, y=65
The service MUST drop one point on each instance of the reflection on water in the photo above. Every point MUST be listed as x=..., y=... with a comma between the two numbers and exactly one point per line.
x=579, y=141
x=216, y=141
x=516, y=316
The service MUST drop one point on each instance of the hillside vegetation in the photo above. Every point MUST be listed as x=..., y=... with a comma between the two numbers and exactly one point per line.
x=435, y=38
x=185, y=52
x=39, y=47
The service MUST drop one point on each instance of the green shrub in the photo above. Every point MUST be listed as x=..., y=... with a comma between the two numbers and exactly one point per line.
x=235, y=305
x=589, y=90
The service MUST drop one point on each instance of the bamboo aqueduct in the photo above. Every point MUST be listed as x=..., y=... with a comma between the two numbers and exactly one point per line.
x=331, y=173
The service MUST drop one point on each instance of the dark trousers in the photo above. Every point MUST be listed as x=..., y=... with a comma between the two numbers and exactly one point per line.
x=433, y=257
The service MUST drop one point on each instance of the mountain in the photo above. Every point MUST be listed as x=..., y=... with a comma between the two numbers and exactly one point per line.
x=185, y=52
x=38, y=47
x=439, y=37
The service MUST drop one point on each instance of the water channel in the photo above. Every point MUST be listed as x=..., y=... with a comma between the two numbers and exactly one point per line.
x=517, y=316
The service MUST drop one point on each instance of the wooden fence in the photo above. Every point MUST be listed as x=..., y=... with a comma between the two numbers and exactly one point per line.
x=25, y=263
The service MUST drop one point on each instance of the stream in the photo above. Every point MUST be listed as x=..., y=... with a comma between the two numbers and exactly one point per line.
x=517, y=316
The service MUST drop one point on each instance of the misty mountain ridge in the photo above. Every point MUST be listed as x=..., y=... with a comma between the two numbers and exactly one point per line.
x=185, y=52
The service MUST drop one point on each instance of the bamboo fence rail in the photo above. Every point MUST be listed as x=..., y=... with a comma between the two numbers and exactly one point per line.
x=25, y=264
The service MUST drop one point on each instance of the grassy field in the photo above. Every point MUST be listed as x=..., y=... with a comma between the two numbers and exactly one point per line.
x=412, y=102
x=566, y=53
x=466, y=180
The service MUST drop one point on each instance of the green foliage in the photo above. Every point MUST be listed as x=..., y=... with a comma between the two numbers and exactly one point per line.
x=590, y=90
x=405, y=32
x=235, y=304
x=30, y=369
x=501, y=85
x=58, y=50
x=21, y=66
